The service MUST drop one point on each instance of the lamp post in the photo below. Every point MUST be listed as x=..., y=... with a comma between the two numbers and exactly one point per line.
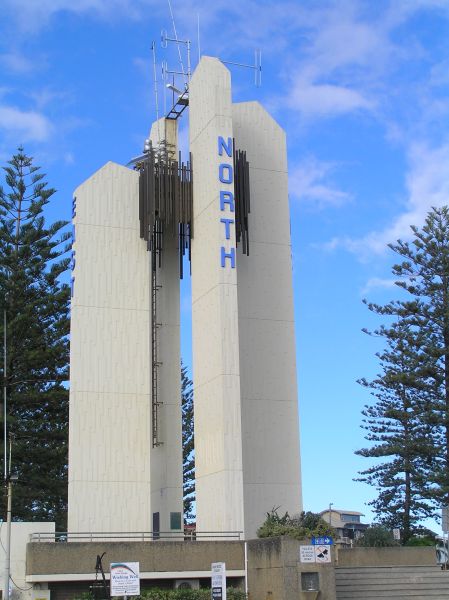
x=9, y=481
x=331, y=504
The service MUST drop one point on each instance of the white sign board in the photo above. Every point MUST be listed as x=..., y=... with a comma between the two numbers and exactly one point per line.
x=125, y=579
x=397, y=534
x=322, y=554
x=218, y=577
x=445, y=519
x=307, y=554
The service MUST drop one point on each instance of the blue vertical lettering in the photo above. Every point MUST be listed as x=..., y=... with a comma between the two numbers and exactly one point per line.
x=225, y=178
x=74, y=207
x=222, y=145
x=227, y=198
x=230, y=255
x=72, y=286
x=227, y=223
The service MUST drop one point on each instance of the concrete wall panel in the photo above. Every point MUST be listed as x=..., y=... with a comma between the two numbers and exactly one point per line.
x=271, y=469
x=109, y=397
x=219, y=480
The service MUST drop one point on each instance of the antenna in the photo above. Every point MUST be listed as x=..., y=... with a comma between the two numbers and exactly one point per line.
x=257, y=66
x=153, y=48
x=198, y=36
x=165, y=70
x=178, y=42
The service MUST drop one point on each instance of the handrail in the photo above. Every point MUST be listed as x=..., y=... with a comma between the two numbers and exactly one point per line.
x=143, y=536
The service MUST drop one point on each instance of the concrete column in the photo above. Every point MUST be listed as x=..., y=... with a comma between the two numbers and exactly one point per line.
x=166, y=459
x=110, y=410
x=270, y=430
x=215, y=338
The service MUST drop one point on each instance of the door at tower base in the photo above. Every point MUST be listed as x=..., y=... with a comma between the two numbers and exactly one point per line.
x=244, y=369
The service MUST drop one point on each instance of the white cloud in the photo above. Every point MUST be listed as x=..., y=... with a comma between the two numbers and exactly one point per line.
x=31, y=15
x=347, y=58
x=310, y=182
x=427, y=184
x=319, y=100
x=16, y=63
x=24, y=125
x=375, y=283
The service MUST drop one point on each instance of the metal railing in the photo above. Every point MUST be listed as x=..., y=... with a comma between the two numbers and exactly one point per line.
x=135, y=536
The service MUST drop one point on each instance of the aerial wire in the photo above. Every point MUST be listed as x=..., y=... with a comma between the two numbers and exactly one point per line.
x=198, y=35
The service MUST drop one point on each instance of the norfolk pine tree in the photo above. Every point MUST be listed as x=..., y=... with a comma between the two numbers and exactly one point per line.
x=397, y=434
x=424, y=275
x=32, y=260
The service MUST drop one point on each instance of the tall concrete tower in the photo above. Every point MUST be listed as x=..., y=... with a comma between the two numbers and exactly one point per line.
x=132, y=229
x=244, y=366
x=125, y=448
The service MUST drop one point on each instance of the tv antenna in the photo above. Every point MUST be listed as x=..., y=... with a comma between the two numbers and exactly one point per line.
x=180, y=98
x=257, y=66
x=165, y=40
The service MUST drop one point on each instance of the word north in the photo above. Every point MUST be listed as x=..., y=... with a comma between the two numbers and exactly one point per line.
x=227, y=206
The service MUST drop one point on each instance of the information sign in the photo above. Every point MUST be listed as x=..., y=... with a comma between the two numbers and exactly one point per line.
x=323, y=554
x=307, y=554
x=218, y=581
x=125, y=579
x=325, y=540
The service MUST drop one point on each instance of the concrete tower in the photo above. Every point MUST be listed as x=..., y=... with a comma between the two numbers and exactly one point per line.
x=125, y=449
x=125, y=455
x=244, y=367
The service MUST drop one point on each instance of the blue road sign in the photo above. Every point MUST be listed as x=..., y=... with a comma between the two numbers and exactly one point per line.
x=322, y=541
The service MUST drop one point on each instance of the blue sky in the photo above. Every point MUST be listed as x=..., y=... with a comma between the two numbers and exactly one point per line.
x=361, y=88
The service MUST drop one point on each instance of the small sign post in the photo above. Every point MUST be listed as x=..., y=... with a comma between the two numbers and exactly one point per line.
x=218, y=581
x=125, y=579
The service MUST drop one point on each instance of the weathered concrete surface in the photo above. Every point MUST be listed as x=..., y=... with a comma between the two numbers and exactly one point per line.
x=79, y=557
x=274, y=571
x=395, y=556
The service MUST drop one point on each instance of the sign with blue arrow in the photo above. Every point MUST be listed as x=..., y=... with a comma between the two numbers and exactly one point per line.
x=322, y=541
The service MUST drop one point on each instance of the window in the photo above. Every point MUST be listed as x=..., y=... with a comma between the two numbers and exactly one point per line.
x=310, y=582
x=175, y=520
x=350, y=518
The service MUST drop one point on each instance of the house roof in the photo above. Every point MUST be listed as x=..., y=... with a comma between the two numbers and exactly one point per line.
x=342, y=512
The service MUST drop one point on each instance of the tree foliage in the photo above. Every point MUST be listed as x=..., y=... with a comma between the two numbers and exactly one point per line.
x=409, y=424
x=377, y=536
x=188, y=449
x=32, y=261
x=396, y=431
x=299, y=527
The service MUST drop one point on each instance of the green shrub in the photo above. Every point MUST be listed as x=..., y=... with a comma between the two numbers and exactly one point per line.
x=299, y=527
x=205, y=594
x=377, y=536
x=169, y=594
x=420, y=541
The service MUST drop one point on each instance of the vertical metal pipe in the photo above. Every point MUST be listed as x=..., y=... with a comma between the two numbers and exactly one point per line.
x=5, y=429
x=8, y=542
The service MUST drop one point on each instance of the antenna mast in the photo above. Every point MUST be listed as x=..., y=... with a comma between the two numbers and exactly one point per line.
x=153, y=48
x=178, y=41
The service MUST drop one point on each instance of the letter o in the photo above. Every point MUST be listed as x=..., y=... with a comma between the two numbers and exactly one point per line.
x=225, y=173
